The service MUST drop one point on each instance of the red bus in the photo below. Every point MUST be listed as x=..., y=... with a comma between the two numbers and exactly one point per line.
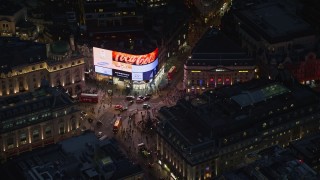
x=171, y=72
x=116, y=125
x=89, y=98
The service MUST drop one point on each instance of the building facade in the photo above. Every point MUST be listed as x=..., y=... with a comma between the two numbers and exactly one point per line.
x=267, y=36
x=216, y=61
x=152, y=3
x=272, y=163
x=102, y=17
x=54, y=62
x=203, y=137
x=305, y=71
x=10, y=15
x=307, y=150
x=35, y=119
x=14, y=22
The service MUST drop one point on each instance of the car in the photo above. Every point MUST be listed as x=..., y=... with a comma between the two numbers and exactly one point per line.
x=123, y=109
x=140, y=97
x=110, y=92
x=139, y=100
x=146, y=98
x=129, y=98
x=83, y=113
x=130, y=103
x=90, y=120
x=118, y=107
x=146, y=106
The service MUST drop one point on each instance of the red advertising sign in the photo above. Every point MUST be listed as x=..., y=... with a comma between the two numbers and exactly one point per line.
x=135, y=59
x=107, y=61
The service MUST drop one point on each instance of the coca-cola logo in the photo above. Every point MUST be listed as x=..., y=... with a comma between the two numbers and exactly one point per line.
x=135, y=59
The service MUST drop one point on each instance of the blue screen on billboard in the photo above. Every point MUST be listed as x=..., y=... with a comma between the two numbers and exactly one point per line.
x=103, y=70
x=150, y=74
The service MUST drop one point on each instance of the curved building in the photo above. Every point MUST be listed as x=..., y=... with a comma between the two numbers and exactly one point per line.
x=136, y=71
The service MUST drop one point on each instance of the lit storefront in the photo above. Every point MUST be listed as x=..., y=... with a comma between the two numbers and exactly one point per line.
x=139, y=72
x=200, y=78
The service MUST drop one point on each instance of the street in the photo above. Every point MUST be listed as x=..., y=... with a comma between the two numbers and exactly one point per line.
x=137, y=133
x=138, y=129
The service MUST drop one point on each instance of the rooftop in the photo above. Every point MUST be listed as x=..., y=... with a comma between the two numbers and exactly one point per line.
x=192, y=124
x=8, y=8
x=44, y=98
x=309, y=147
x=215, y=48
x=14, y=52
x=132, y=43
x=106, y=6
x=69, y=159
x=274, y=21
x=275, y=163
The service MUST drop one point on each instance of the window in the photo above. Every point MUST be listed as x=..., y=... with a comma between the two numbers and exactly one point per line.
x=61, y=128
x=73, y=124
x=61, y=66
x=48, y=130
x=10, y=142
x=33, y=68
x=23, y=138
x=35, y=134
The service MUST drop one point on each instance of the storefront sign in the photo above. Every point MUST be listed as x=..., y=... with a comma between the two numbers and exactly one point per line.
x=121, y=74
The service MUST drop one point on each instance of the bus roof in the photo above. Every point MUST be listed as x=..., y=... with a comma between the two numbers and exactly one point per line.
x=89, y=95
x=172, y=69
x=117, y=123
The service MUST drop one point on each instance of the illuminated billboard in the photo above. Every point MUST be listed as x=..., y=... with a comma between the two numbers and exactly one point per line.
x=102, y=70
x=125, y=62
x=140, y=67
